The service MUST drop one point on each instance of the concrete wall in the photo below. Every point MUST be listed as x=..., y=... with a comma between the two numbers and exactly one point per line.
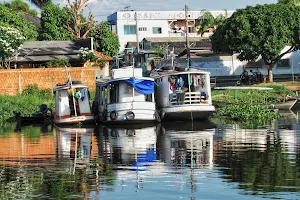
x=14, y=81
x=231, y=66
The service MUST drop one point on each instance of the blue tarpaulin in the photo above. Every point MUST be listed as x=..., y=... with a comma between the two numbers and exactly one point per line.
x=143, y=86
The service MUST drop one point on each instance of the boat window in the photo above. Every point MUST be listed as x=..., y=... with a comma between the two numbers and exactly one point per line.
x=148, y=97
x=103, y=96
x=113, y=93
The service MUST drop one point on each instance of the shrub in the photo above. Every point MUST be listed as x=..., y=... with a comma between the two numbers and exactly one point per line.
x=58, y=62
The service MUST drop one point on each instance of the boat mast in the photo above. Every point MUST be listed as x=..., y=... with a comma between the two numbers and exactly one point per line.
x=137, y=33
x=188, y=56
x=72, y=89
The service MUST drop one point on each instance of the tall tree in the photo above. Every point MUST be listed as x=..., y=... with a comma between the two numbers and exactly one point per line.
x=79, y=26
x=263, y=30
x=11, y=18
x=107, y=42
x=53, y=22
x=21, y=6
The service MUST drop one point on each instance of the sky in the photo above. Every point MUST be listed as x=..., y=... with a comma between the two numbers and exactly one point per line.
x=102, y=8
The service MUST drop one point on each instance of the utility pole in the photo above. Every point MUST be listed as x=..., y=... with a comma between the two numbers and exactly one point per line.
x=188, y=55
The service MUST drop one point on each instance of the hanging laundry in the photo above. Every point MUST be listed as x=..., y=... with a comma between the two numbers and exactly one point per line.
x=202, y=81
x=177, y=85
x=197, y=80
x=82, y=94
x=191, y=79
x=77, y=95
x=181, y=81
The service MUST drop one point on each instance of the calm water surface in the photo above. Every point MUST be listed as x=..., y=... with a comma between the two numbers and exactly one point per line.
x=200, y=160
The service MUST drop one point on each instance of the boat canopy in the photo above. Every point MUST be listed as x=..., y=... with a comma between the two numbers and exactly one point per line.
x=144, y=86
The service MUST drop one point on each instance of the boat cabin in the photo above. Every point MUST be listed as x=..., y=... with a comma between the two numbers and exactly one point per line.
x=70, y=103
x=123, y=90
x=125, y=96
x=183, y=88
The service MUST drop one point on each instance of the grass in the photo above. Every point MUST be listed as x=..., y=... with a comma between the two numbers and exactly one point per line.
x=27, y=102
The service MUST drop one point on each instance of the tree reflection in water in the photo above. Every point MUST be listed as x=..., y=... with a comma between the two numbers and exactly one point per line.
x=267, y=168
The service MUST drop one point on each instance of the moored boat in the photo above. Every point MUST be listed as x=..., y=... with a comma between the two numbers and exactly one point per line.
x=184, y=95
x=125, y=97
x=72, y=104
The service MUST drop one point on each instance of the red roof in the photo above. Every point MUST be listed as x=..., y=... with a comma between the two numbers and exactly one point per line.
x=102, y=56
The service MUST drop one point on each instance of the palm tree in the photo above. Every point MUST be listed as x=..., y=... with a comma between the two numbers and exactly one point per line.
x=207, y=20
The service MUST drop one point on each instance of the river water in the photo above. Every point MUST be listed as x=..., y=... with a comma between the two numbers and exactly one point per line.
x=178, y=160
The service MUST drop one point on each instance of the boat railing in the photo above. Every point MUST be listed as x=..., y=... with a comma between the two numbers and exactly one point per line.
x=187, y=98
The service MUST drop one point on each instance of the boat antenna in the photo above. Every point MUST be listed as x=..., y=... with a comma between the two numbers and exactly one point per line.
x=72, y=89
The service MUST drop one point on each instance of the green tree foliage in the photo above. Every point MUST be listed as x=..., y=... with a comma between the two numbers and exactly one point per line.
x=21, y=6
x=206, y=20
x=160, y=50
x=53, y=19
x=296, y=2
x=107, y=42
x=263, y=30
x=58, y=62
x=11, y=18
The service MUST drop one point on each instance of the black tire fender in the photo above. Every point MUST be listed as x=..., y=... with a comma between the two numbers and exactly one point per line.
x=113, y=115
x=127, y=115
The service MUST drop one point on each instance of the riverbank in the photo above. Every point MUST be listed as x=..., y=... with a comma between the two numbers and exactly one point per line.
x=27, y=103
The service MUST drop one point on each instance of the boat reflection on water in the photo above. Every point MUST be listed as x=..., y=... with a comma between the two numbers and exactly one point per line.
x=76, y=145
x=128, y=148
x=187, y=144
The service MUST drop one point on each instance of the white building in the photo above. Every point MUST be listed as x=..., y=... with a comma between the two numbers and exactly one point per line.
x=154, y=24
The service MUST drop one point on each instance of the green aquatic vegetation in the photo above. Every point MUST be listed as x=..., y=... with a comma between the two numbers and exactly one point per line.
x=247, y=112
x=257, y=97
x=27, y=103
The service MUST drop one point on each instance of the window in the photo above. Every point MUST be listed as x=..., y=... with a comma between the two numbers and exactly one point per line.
x=192, y=30
x=129, y=29
x=142, y=28
x=284, y=63
x=156, y=30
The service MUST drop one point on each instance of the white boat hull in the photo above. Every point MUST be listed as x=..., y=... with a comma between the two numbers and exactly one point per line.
x=73, y=120
x=144, y=112
x=187, y=112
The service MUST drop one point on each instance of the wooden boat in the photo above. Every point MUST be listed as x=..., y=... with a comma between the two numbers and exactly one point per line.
x=184, y=95
x=125, y=97
x=72, y=108
x=42, y=116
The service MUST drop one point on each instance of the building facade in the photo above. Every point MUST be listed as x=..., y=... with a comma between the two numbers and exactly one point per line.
x=131, y=26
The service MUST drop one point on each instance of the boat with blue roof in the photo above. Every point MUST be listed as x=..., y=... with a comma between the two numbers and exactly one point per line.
x=125, y=97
